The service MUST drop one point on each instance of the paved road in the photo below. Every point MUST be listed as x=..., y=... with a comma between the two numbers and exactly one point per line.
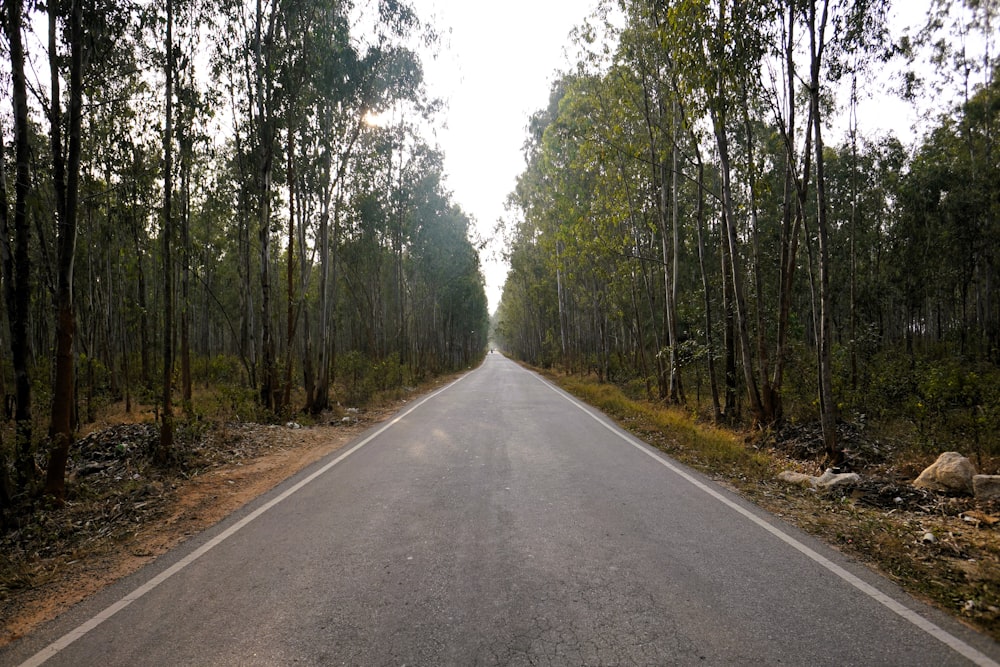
x=498, y=522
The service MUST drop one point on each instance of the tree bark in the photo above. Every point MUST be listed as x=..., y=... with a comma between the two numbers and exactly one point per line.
x=66, y=183
x=167, y=417
x=16, y=261
x=827, y=402
x=265, y=155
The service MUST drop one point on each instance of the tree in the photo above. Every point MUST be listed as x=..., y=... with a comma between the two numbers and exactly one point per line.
x=66, y=180
x=15, y=260
x=167, y=233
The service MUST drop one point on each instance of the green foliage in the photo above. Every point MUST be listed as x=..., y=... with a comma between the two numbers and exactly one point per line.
x=220, y=370
x=362, y=378
x=910, y=252
x=950, y=402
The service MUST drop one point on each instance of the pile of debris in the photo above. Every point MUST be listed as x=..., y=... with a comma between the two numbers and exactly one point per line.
x=804, y=442
x=117, y=452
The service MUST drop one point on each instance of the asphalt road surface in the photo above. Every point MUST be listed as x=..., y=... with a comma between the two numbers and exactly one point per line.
x=500, y=522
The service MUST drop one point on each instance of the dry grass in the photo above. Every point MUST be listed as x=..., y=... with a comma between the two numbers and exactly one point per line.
x=674, y=431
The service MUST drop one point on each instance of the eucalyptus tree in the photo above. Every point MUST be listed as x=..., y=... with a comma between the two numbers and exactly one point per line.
x=16, y=263
x=946, y=233
x=166, y=235
x=65, y=180
x=250, y=58
x=641, y=51
x=717, y=49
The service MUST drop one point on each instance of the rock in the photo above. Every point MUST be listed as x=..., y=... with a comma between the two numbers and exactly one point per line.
x=951, y=473
x=798, y=478
x=830, y=479
x=986, y=486
x=928, y=538
x=827, y=480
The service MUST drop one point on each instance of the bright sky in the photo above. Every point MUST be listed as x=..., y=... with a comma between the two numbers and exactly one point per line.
x=495, y=67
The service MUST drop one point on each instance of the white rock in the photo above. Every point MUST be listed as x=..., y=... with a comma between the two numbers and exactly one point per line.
x=952, y=472
x=801, y=479
x=928, y=538
x=830, y=479
x=827, y=480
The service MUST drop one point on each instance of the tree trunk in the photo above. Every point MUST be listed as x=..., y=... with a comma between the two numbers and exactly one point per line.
x=793, y=212
x=709, y=346
x=827, y=402
x=167, y=424
x=719, y=115
x=286, y=396
x=66, y=184
x=265, y=155
x=676, y=386
x=736, y=275
x=185, y=302
x=16, y=262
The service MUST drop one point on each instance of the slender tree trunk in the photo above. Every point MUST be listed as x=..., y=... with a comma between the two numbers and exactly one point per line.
x=16, y=262
x=709, y=345
x=793, y=212
x=141, y=296
x=167, y=424
x=828, y=404
x=66, y=183
x=676, y=386
x=322, y=390
x=561, y=305
x=185, y=301
x=739, y=299
x=719, y=115
x=265, y=168
x=751, y=169
x=728, y=329
x=286, y=397
x=854, y=232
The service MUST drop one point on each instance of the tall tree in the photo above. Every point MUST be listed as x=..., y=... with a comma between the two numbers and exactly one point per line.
x=16, y=261
x=66, y=179
x=167, y=232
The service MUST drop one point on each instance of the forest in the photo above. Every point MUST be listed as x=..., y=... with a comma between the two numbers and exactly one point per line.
x=704, y=219
x=222, y=210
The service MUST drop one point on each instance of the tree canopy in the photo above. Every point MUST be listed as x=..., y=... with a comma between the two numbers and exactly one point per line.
x=684, y=223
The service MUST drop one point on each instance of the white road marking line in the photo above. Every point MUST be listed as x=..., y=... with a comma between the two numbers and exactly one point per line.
x=939, y=633
x=60, y=644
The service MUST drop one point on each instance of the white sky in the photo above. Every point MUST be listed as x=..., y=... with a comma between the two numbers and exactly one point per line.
x=496, y=64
